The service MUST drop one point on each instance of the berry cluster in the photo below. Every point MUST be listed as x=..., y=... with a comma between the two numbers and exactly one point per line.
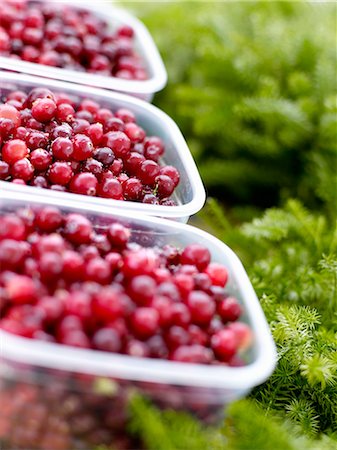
x=67, y=37
x=48, y=140
x=62, y=281
x=56, y=418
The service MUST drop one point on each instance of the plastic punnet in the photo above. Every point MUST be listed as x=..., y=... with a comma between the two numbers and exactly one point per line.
x=101, y=383
x=190, y=193
x=144, y=44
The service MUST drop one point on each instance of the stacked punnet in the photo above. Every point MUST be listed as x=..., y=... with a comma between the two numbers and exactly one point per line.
x=50, y=141
x=100, y=298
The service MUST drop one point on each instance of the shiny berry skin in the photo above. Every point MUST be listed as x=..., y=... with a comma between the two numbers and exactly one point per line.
x=83, y=147
x=109, y=305
x=22, y=169
x=118, y=235
x=14, y=150
x=125, y=115
x=229, y=309
x=217, y=273
x=144, y=322
x=10, y=112
x=84, y=183
x=48, y=219
x=77, y=229
x=196, y=255
x=142, y=289
x=134, y=132
x=98, y=270
x=12, y=227
x=164, y=186
x=110, y=188
x=41, y=159
x=60, y=173
x=104, y=155
x=132, y=189
x=172, y=173
x=201, y=306
x=148, y=171
x=243, y=334
x=118, y=142
x=44, y=109
x=21, y=289
x=62, y=148
x=224, y=344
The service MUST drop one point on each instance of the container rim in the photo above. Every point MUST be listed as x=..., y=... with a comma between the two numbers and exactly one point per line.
x=150, y=53
x=60, y=357
x=179, y=211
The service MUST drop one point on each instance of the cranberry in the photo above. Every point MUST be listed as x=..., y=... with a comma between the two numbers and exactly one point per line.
x=83, y=147
x=224, y=344
x=172, y=173
x=98, y=270
x=22, y=169
x=176, y=336
x=142, y=289
x=49, y=219
x=118, y=142
x=41, y=159
x=144, y=322
x=14, y=150
x=50, y=266
x=62, y=148
x=73, y=265
x=148, y=171
x=9, y=112
x=44, y=109
x=217, y=273
x=195, y=254
x=201, y=306
x=21, y=289
x=229, y=309
x=136, y=348
x=105, y=155
x=93, y=166
x=60, y=173
x=108, y=305
x=77, y=229
x=84, y=183
x=125, y=115
x=118, y=235
x=243, y=334
x=75, y=338
x=132, y=189
x=111, y=188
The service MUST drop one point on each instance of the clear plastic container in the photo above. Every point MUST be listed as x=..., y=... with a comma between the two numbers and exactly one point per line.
x=144, y=45
x=190, y=193
x=87, y=388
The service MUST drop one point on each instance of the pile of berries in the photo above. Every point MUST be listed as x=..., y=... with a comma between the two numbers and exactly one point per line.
x=67, y=37
x=48, y=140
x=55, y=417
x=63, y=281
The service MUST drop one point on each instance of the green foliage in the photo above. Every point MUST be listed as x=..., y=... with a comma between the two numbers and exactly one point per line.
x=253, y=87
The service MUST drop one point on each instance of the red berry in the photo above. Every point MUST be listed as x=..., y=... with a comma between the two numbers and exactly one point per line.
x=44, y=109
x=197, y=255
x=201, y=306
x=60, y=173
x=224, y=344
x=83, y=147
x=22, y=169
x=144, y=322
x=14, y=150
x=77, y=229
x=196, y=354
x=41, y=159
x=217, y=273
x=49, y=219
x=84, y=183
x=229, y=309
x=10, y=112
x=21, y=289
x=107, y=339
x=62, y=148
